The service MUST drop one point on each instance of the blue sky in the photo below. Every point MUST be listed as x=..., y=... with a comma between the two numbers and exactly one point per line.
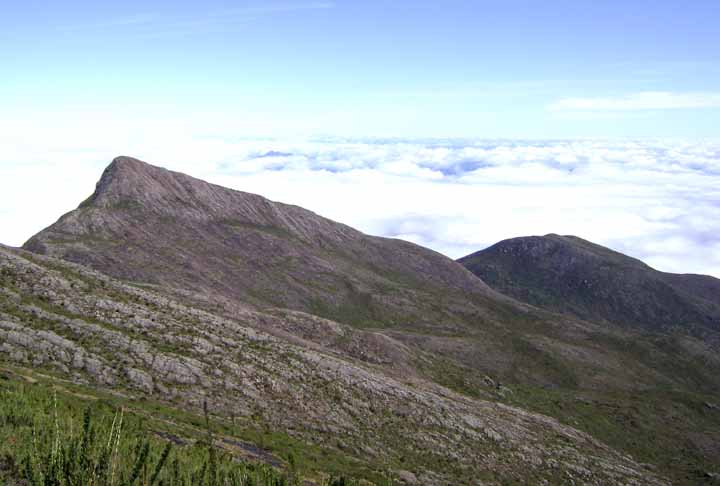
x=538, y=69
x=453, y=124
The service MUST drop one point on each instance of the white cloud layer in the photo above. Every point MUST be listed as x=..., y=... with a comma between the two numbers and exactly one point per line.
x=655, y=200
x=648, y=100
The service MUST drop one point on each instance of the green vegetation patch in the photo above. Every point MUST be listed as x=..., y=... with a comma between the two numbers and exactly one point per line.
x=658, y=427
x=530, y=359
x=56, y=435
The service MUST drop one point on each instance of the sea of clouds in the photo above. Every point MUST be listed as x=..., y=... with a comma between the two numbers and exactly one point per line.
x=657, y=200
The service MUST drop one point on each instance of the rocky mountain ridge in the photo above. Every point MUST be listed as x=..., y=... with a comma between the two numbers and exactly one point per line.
x=152, y=225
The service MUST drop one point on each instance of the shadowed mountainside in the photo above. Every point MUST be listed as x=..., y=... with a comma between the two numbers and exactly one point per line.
x=570, y=275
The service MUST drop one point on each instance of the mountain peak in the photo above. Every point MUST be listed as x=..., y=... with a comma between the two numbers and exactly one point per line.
x=562, y=248
x=127, y=161
x=128, y=167
x=131, y=183
x=570, y=274
x=122, y=179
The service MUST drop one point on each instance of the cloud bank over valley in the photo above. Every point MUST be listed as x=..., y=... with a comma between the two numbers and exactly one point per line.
x=657, y=200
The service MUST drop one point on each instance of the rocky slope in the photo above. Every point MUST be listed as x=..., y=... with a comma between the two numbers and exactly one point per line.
x=571, y=275
x=72, y=323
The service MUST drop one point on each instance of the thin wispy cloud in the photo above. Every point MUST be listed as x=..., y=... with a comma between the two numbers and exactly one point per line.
x=129, y=21
x=162, y=23
x=512, y=87
x=650, y=100
x=276, y=8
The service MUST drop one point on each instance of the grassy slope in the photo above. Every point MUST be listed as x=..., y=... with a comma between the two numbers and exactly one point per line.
x=665, y=428
x=674, y=431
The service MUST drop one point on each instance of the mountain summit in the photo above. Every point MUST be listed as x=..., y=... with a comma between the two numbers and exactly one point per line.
x=569, y=274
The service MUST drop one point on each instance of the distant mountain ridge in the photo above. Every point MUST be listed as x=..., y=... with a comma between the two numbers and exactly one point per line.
x=571, y=275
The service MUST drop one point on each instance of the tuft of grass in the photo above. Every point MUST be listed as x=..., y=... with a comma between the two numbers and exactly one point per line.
x=50, y=437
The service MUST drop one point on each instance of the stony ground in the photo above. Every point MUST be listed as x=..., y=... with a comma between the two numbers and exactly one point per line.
x=344, y=390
